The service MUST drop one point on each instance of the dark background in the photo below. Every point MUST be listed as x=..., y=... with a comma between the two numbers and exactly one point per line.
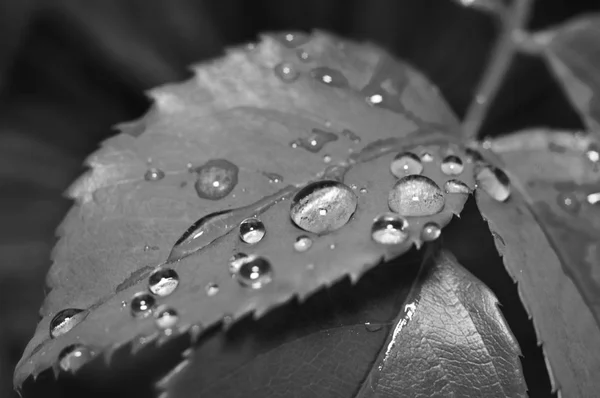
x=70, y=69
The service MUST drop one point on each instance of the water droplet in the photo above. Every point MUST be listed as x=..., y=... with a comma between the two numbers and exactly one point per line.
x=332, y=246
x=473, y=156
x=165, y=317
x=163, y=281
x=302, y=243
x=323, y=206
x=416, y=195
x=252, y=230
x=373, y=327
x=452, y=165
x=254, y=272
x=431, y=231
x=327, y=159
x=286, y=72
x=303, y=55
x=405, y=164
x=216, y=179
x=154, y=175
x=329, y=76
x=375, y=99
x=351, y=135
x=123, y=303
x=593, y=198
x=389, y=229
x=315, y=141
x=494, y=182
x=568, y=202
x=236, y=261
x=456, y=186
x=593, y=153
x=74, y=356
x=142, y=305
x=363, y=190
x=64, y=321
x=212, y=289
x=293, y=40
x=427, y=157
x=274, y=178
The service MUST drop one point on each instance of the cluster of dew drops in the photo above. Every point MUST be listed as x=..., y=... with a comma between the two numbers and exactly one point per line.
x=318, y=208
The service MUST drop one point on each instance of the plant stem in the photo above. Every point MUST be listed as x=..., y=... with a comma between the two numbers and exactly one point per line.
x=501, y=59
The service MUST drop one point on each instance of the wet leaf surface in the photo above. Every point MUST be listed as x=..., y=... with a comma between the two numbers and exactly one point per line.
x=443, y=336
x=223, y=148
x=548, y=232
x=573, y=52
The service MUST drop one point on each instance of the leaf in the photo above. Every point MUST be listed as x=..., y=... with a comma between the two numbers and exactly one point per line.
x=573, y=53
x=259, y=123
x=448, y=338
x=548, y=233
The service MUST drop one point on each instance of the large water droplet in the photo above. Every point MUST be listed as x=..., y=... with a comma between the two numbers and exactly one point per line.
x=315, y=141
x=216, y=179
x=431, y=231
x=142, y=305
x=254, y=271
x=416, y=195
x=163, y=281
x=405, y=164
x=456, y=186
x=165, y=317
x=293, y=40
x=64, y=321
x=74, y=356
x=329, y=76
x=389, y=229
x=286, y=72
x=252, y=230
x=154, y=175
x=452, y=165
x=568, y=202
x=302, y=243
x=323, y=206
x=494, y=182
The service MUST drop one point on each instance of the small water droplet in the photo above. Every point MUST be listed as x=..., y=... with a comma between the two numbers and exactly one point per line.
x=216, y=179
x=593, y=153
x=252, y=230
x=351, y=135
x=405, y=164
x=323, y=206
x=142, y=305
x=154, y=175
x=389, y=229
x=416, y=195
x=212, y=289
x=373, y=327
x=568, y=202
x=593, y=198
x=332, y=246
x=363, y=190
x=452, y=165
x=274, y=178
x=286, y=72
x=375, y=99
x=327, y=159
x=473, y=156
x=165, y=317
x=329, y=76
x=494, y=182
x=163, y=281
x=74, y=356
x=456, y=186
x=123, y=303
x=303, y=55
x=354, y=187
x=315, y=141
x=431, y=231
x=254, y=272
x=64, y=321
x=302, y=243
x=427, y=157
